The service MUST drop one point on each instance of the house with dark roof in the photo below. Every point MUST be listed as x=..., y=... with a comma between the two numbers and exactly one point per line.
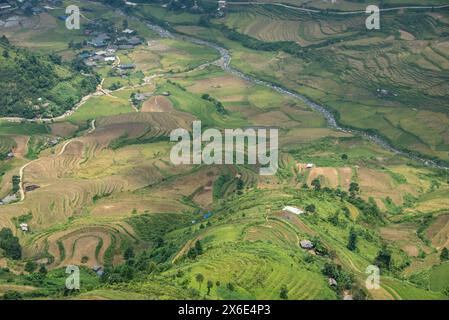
x=134, y=41
x=127, y=66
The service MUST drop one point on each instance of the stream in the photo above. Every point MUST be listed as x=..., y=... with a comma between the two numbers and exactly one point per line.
x=225, y=63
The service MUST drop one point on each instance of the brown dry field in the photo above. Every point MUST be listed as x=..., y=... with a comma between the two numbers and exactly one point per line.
x=157, y=104
x=438, y=232
x=21, y=145
x=333, y=177
x=380, y=185
x=228, y=82
x=145, y=59
x=405, y=235
x=63, y=129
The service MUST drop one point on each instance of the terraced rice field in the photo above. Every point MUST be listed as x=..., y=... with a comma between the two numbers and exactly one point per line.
x=259, y=271
x=278, y=24
x=157, y=104
x=438, y=232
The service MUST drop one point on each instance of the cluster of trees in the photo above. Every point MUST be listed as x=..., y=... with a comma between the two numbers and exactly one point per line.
x=196, y=250
x=352, y=242
x=343, y=278
x=444, y=255
x=148, y=262
x=219, y=184
x=383, y=259
x=370, y=211
x=10, y=244
x=31, y=80
x=218, y=105
x=15, y=183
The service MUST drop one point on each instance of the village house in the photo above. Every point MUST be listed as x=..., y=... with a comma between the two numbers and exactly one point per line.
x=127, y=66
x=4, y=6
x=221, y=10
x=97, y=58
x=53, y=142
x=142, y=96
x=109, y=59
x=125, y=47
x=293, y=210
x=24, y=227
x=332, y=282
x=306, y=244
x=101, y=40
x=101, y=53
x=128, y=31
x=134, y=41
x=98, y=270
x=8, y=199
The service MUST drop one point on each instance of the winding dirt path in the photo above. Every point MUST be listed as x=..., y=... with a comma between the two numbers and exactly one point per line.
x=60, y=153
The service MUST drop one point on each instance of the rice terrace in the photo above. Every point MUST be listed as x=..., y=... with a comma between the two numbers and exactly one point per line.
x=97, y=96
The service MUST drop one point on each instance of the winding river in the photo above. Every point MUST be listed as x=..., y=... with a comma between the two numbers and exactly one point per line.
x=225, y=63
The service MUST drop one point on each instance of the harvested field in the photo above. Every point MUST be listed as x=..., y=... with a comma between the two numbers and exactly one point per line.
x=331, y=177
x=63, y=129
x=438, y=232
x=21, y=145
x=157, y=104
x=404, y=235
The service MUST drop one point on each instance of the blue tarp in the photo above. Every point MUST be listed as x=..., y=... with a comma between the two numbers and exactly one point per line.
x=207, y=215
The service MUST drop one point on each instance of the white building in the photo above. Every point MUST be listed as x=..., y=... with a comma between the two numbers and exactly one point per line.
x=24, y=227
x=293, y=210
x=306, y=244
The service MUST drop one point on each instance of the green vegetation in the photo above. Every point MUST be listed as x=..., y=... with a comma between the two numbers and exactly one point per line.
x=10, y=244
x=111, y=197
x=56, y=88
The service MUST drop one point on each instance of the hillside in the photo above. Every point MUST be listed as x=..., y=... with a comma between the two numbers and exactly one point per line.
x=38, y=86
x=392, y=82
x=97, y=188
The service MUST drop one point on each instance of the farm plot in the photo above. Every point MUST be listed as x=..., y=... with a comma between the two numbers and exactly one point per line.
x=157, y=104
x=438, y=232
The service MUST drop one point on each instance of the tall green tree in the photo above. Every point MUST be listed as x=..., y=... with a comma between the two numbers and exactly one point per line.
x=352, y=241
x=283, y=294
x=444, y=256
x=199, y=278
x=210, y=284
x=10, y=244
x=316, y=183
